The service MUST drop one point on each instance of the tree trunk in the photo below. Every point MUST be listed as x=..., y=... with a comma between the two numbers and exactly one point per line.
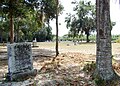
x=87, y=38
x=103, y=54
x=48, y=22
x=11, y=24
x=17, y=34
x=1, y=36
x=57, y=52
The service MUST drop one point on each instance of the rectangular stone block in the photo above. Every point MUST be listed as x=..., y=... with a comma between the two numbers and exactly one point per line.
x=19, y=58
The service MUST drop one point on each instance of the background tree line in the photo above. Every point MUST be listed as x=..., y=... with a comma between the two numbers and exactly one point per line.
x=23, y=20
x=83, y=22
x=32, y=20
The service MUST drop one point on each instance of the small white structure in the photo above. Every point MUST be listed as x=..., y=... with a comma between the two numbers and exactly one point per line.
x=35, y=43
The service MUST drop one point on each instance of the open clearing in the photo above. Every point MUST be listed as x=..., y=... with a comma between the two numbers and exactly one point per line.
x=68, y=66
x=86, y=48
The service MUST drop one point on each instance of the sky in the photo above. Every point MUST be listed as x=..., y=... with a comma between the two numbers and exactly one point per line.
x=68, y=8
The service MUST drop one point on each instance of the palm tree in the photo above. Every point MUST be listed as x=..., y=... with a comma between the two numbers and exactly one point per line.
x=104, y=55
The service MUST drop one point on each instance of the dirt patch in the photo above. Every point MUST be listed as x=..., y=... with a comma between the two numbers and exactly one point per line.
x=67, y=67
x=67, y=70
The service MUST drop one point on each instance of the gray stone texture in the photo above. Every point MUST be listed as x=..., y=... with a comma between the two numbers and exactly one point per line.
x=20, y=61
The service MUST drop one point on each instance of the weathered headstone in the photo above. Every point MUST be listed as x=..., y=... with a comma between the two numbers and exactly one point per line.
x=20, y=61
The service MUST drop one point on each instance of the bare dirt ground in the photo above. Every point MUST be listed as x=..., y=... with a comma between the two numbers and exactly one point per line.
x=66, y=70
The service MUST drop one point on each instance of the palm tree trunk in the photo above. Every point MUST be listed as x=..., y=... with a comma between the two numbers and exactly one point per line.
x=103, y=54
x=11, y=24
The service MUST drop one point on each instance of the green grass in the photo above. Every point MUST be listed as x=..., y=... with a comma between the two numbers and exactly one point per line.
x=87, y=48
x=63, y=46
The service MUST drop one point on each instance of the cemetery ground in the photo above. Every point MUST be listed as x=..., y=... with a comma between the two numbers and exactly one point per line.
x=73, y=67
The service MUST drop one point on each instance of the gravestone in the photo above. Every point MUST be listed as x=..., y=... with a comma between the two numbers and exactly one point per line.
x=20, y=61
x=35, y=43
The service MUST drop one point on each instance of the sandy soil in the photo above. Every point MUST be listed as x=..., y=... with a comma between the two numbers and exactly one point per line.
x=68, y=66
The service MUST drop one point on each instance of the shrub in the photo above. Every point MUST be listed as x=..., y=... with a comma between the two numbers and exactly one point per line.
x=89, y=67
x=118, y=40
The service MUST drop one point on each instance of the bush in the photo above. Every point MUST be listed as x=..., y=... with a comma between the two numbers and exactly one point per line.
x=89, y=67
x=118, y=40
x=99, y=81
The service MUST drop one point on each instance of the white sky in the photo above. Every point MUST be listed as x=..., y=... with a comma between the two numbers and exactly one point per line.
x=68, y=8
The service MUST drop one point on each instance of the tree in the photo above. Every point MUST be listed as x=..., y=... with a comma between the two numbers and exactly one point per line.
x=83, y=21
x=41, y=35
x=11, y=21
x=14, y=9
x=48, y=9
x=3, y=28
x=57, y=52
x=44, y=34
x=9, y=7
x=104, y=55
x=51, y=9
x=49, y=36
x=72, y=24
x=89, y=27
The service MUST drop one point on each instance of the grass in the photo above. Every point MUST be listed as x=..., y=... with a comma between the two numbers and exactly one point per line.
x=86, y=48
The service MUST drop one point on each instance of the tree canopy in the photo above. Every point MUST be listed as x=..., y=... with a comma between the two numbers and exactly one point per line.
x=22, y=19
x=83, y=20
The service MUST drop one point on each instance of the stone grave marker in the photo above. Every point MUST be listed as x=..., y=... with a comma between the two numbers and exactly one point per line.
x=20, y=61
x=34, y=43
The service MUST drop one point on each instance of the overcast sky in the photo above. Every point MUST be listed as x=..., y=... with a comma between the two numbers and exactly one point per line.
x=68, y=8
